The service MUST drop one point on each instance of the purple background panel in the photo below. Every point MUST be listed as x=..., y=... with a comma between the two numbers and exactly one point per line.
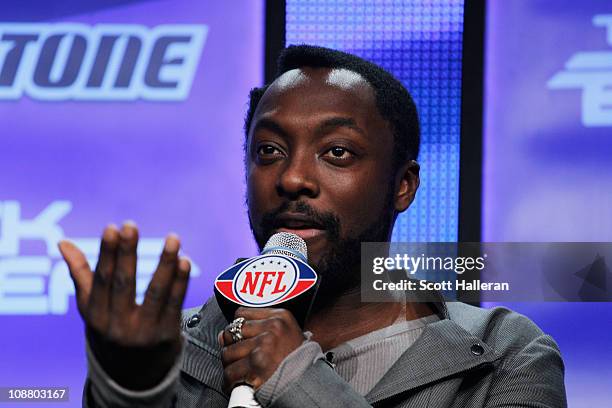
x=169, y=166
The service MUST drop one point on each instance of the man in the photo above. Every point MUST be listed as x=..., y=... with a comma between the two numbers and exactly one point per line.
x=330, y=155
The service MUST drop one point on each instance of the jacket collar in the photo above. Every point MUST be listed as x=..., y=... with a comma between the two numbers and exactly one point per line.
x=443, y=349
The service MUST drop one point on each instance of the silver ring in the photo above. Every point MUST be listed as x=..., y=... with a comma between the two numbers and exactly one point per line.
x=235, y=329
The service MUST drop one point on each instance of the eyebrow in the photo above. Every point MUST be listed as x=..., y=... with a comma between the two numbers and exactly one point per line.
x=339, y=122
x=326, y=126
x=270, y=125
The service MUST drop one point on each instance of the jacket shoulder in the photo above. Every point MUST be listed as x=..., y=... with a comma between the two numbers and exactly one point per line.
x=506, y=331
x=526, y=353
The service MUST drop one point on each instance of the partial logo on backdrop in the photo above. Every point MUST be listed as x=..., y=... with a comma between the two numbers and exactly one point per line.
x=591, y=71
x=34, y=283
x=105, y=62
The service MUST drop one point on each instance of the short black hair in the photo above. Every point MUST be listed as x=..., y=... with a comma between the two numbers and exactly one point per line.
x=393, y=100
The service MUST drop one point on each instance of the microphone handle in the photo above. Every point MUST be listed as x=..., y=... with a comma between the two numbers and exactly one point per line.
x=243, y=396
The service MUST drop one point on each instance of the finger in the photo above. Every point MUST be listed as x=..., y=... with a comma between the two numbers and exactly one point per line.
x=123, y=289
x=226, y=338
x=80, y=272
x=242, y=349
x=160, y=285
x=100, y=290
x=235, y=374
x=251, y=313
x=250, y=328
x=171, y=313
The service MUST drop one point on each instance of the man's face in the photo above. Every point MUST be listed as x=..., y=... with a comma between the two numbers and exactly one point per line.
x=318, y=165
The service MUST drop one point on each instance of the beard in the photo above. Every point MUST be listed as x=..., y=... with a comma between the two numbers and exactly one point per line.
x=339, y=267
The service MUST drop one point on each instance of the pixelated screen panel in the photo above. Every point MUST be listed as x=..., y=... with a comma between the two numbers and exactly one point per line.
x=420, y=42
x=115, y=110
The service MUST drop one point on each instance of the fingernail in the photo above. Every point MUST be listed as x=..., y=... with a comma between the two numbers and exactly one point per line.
x=109, y=232
x=128, y=230
x=172, y=244
x=185, y=261
x=129, y=223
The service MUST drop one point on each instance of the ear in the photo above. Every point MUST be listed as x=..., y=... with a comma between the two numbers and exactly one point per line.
x=406, y=184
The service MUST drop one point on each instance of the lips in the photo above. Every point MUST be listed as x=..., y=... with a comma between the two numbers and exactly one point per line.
x=300, y=225
x=305, y=233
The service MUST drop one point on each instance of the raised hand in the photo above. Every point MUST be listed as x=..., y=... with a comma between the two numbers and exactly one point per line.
x=135, y=345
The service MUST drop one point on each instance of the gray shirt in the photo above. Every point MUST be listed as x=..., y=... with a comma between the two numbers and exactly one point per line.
x=361, y=362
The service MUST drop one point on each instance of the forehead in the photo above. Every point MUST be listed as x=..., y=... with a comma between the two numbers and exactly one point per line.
x=340, y=78
x=309, y=92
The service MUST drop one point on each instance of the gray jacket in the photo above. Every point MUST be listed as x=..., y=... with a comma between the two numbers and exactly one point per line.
x=473, y=357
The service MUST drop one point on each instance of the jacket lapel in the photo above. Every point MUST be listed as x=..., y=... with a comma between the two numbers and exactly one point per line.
x=443, y=349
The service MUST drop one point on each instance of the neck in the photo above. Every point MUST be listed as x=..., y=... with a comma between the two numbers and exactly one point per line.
x=347, y=318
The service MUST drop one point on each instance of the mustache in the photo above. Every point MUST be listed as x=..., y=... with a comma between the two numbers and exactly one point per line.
x=327, y=221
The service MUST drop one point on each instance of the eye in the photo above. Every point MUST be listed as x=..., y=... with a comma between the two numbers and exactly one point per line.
x=268, y=153
x=338, y=153
x=267, y=150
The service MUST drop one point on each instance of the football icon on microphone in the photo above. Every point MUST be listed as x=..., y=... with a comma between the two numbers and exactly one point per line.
x=265, y=280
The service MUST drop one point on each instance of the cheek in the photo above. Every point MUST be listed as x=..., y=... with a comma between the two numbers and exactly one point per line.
x=261, y=191
x=358, y=199
x=253, y=195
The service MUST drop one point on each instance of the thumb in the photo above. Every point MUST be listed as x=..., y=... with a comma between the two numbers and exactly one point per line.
x=80, y=272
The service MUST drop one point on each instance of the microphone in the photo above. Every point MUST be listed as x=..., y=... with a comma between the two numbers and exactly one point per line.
x=279, y=277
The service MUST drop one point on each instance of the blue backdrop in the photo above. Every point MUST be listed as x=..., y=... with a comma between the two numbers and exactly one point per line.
x=547, y=168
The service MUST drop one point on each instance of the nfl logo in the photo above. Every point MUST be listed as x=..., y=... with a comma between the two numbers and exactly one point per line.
x=265, y=280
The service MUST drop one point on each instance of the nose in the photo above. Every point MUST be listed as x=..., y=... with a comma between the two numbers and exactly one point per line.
x=298, y=178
